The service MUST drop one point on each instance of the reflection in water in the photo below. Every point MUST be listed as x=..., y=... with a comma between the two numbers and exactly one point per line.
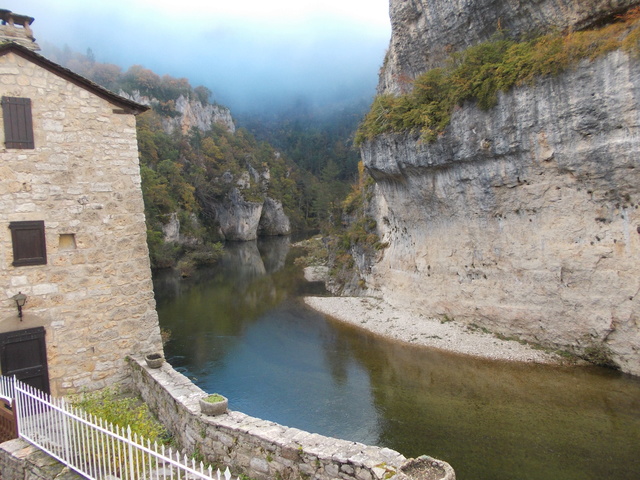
x=497, y=420
x=239, y=330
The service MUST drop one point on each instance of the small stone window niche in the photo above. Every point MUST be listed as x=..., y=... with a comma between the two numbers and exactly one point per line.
x=18, y=125
x=67, y=241
x=29, y=243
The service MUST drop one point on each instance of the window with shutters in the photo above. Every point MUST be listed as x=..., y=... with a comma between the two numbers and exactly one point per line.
x=18, y=127
x=29, y=246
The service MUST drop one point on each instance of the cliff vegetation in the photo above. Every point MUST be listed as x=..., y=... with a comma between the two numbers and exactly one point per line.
x=480, y=72
x=190, y=174
x=350, y=248
x=320, y=142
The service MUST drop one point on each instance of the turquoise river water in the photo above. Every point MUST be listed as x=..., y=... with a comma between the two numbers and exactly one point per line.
x=240, y=329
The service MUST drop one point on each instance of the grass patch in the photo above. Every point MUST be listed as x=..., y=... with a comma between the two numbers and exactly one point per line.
x=122, y=410
x=480, y=72
x=446, y=319
x=511, y=338
x=214, y=398
x=472, y=327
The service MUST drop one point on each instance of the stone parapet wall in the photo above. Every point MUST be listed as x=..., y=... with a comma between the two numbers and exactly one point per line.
x=258, y=448
x=20, y=460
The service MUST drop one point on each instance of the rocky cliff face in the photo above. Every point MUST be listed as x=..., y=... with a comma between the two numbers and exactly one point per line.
x=246, y=212
x=273, y=220
x=172, y=234
x=524, y=219
x=239, y=219
x=195, y=114
x=191, y=113
x=426, y=32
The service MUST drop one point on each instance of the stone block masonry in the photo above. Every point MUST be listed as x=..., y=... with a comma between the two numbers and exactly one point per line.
x=20, y=460
x=258, y=448
x=94, y=296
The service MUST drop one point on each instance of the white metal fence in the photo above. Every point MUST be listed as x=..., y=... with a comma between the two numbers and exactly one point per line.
x=91, y=447
x=6, y=387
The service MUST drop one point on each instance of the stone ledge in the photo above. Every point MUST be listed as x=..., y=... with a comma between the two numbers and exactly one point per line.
x=258, y=448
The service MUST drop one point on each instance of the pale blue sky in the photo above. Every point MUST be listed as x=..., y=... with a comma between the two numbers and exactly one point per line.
x=249, y=53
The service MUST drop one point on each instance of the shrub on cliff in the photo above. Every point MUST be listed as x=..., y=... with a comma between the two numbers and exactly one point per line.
x=356, y=243
x=480, y=72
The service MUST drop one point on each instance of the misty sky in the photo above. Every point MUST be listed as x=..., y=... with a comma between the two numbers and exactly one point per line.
x=251, y=53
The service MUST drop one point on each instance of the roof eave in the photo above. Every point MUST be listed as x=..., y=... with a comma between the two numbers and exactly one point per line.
x=128, y=106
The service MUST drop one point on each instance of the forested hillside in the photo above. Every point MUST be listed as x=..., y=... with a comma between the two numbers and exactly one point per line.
x=319, y=141
x=186, y=171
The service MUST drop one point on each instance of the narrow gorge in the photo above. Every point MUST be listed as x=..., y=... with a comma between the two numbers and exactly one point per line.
x=521, y=219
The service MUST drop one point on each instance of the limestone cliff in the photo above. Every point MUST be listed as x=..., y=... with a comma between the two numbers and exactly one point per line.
x=239, y=218
x=273, y=220
x=195, y=114
x=190, y=113
x=525, y=218
x=172, y=230
x=246, y=211
x=426, y=32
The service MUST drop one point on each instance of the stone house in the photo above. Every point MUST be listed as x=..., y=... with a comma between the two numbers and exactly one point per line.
x=72, y=229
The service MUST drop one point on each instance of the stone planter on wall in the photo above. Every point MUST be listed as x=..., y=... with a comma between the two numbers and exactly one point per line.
x=425, y=467
x=214, y=404
x=154, y=360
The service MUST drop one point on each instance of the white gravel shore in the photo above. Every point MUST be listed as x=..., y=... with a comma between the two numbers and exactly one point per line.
x=381, y=318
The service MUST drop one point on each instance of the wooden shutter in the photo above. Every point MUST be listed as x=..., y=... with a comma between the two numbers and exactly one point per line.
x=18, y=126
x=29, y=244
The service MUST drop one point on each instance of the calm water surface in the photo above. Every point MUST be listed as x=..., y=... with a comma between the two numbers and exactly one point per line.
x=240, y=329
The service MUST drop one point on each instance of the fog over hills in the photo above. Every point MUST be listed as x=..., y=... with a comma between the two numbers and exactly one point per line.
x=254, y=56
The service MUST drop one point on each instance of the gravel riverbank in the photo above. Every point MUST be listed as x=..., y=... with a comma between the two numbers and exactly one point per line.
x=381, y=318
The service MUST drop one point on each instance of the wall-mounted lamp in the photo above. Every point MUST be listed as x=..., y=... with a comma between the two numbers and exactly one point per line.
x=20, y=299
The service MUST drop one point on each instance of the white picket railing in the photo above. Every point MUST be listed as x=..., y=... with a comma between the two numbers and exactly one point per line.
x=91, y=447
x=6, y=387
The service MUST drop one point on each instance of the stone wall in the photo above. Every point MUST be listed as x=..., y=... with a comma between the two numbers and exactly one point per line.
x=94, y=296
x=20, y=460
x=259, y=448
